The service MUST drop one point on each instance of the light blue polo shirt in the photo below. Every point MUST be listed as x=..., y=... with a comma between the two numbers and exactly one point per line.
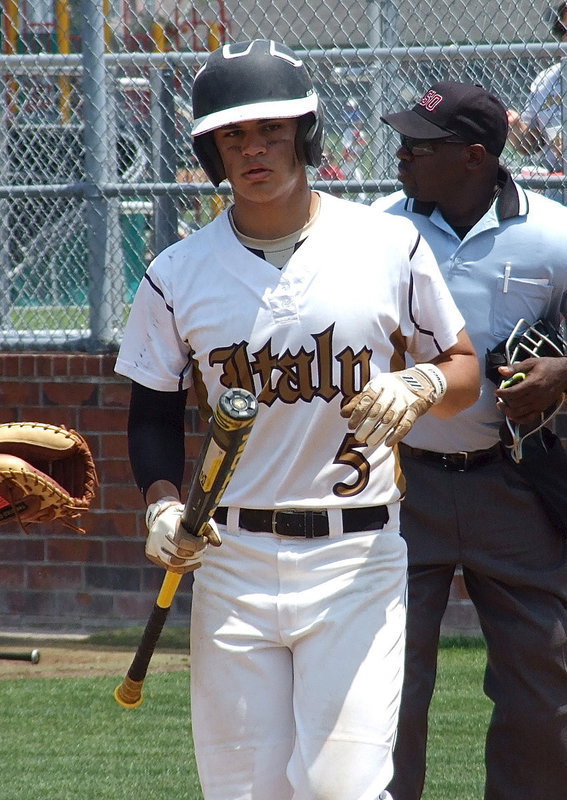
x=511, y=265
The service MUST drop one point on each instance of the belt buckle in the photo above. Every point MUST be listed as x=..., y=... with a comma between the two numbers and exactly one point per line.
x=460, y=461
x=275, y=522
x=281, y=512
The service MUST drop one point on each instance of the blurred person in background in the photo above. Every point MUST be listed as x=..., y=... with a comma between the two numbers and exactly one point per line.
x=354, y=144
x=537, y=129
x=329, y=170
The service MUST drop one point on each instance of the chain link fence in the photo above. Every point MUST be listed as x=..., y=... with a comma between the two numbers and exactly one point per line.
x=96, y=168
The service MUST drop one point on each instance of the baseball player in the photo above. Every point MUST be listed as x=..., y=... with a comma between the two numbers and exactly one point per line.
x=503, y=252
x=310, y=302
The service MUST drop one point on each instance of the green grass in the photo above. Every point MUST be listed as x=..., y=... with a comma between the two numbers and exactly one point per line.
x=50, y=317
x=62, y=317
x=171, y=638
x=64, y=739
x=67, y=738
x=458, y=720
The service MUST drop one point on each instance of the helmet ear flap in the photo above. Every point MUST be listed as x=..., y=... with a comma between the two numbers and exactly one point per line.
x=208, y=156
x=310, y=137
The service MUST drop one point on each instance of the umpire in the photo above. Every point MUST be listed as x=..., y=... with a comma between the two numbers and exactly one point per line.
x=503, y=253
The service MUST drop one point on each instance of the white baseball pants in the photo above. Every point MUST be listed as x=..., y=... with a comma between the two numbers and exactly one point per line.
x=297, y=650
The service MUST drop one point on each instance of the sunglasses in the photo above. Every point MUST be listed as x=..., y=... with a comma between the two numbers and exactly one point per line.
x=559, y=30
x=425, y=147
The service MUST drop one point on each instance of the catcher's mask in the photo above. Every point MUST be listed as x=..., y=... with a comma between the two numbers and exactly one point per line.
x=540, y=339
x=259, y=79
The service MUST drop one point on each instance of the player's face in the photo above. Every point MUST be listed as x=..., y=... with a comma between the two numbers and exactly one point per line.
x=431, y=170
x=259, y=158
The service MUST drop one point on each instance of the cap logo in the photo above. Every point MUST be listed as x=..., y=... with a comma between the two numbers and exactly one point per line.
x=430, y=100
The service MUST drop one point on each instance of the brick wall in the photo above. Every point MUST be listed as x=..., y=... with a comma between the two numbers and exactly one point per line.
x=58, y=580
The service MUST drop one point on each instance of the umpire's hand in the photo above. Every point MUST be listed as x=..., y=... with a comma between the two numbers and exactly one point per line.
x=544, y=385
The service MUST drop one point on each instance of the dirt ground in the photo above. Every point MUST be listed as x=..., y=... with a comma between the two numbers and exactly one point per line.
x=76, y=660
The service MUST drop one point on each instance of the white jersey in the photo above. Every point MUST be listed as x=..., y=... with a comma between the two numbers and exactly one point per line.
x=361, y=290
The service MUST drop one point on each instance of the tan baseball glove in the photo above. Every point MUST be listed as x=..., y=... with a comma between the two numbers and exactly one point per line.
x=46, y=473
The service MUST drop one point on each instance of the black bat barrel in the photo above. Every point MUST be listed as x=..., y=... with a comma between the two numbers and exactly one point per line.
x=32, y=656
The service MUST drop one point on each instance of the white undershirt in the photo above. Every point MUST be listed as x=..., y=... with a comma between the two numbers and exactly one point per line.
x=276, y=251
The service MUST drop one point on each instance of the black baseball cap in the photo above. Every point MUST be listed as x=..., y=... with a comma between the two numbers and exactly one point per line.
x=451, y=108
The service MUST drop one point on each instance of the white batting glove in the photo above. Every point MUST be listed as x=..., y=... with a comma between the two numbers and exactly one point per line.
x=163, y=519
x=390, y=403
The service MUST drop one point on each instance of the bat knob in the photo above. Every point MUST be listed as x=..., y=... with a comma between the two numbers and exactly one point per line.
x=129, y=693
x=34, y=656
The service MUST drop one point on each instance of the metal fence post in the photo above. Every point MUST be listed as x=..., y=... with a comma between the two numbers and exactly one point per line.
x=164, y=150
x=165, y=157
x=383, y=32
x=106, y=279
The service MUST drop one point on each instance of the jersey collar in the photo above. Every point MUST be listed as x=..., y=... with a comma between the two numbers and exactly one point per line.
x=511, y=202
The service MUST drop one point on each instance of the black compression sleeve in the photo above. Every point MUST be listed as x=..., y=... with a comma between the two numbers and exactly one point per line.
x=156, y=433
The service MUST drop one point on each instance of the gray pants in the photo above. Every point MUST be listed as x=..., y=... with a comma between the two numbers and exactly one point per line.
x=515, y=570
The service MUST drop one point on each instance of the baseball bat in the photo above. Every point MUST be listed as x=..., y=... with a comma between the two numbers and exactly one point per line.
x=226, y=438
x=33, y=656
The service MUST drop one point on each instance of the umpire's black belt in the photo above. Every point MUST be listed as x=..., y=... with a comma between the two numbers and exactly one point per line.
x=308, y=524
x=454, y=462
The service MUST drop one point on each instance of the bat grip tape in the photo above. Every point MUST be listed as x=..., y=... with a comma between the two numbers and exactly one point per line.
x=129, y=693
x=154, y=627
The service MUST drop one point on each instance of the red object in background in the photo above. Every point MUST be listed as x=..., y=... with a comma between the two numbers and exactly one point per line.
x=331, y=173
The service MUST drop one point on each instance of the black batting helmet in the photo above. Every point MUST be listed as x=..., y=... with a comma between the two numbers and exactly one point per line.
x=259, y=79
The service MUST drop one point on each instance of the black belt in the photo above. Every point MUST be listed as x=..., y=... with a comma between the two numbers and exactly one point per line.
x=308, y=524
x=455, y=462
